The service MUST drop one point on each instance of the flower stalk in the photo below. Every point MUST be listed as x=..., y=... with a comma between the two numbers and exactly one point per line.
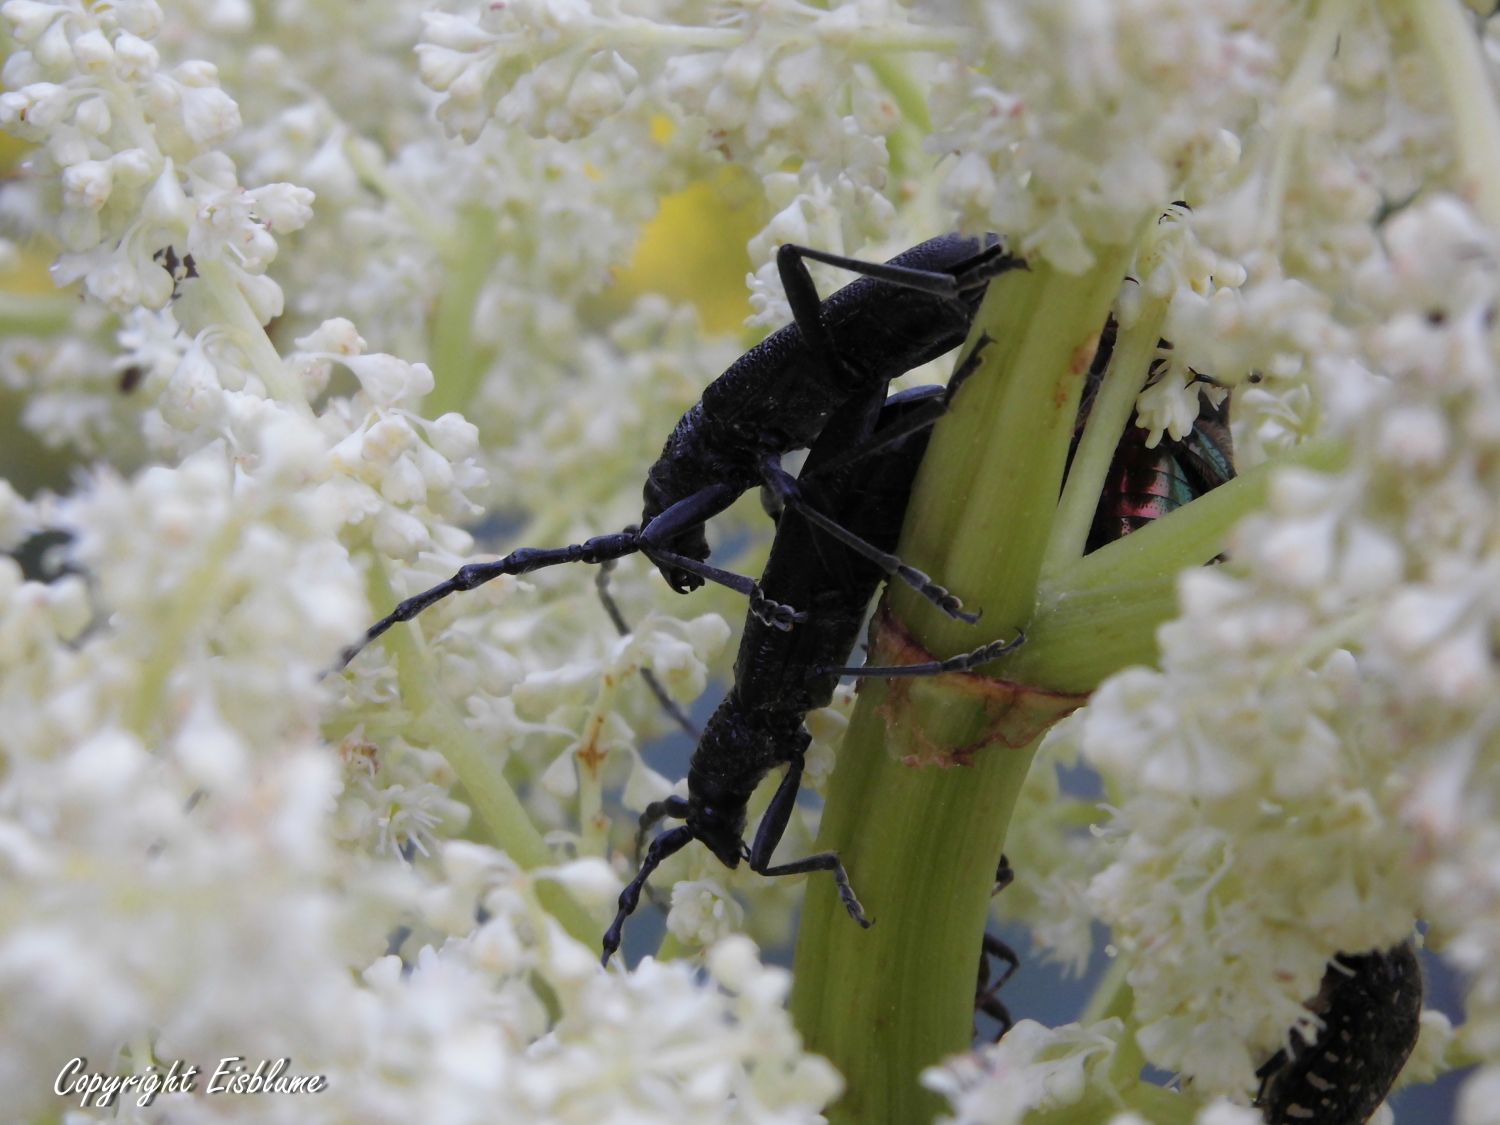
x=930, y=771
x=922, y=844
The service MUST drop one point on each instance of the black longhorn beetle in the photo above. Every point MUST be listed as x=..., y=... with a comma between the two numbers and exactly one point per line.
x=780, y=675
x=777, y=397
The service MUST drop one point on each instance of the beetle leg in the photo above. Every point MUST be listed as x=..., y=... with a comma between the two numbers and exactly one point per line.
x=665, y=845
x=773, y=825
x=963, y=662
x=989, y=263
x=778, y=813
x=986, y=995
x=923, y=407
x=986, y=998
x=785, y=486
x=653, y=814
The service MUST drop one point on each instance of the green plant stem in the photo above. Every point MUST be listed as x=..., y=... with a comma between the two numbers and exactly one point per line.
x=1109, y=416
x=36, y=314
x=1447, y=34
x=456, y=363
x=1100, y=614
x=885, y=1002
x=921, y=845
x=246, y=330
x=982, y=509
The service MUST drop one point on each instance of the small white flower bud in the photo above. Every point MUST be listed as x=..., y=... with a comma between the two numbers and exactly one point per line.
x=438, y=68
x=13, y=107
x=263, y=295
x=106, y=763
x=1370, y=561
x=1296, y=492
x=38, y=107
x=387, y=439
x=403, y=484
x=742, y=71
x=209, y=114
x=398, y=534
x=68, y=148
x=803, y=76
x=591, y=880
x=1414, y=437
x=455, y=32
x=703, y=913
x=256, y=246
x=598, y=92
x=336, y=335
x=132, y=167
x=735, y=963
x=434, y=468
x=454, y=436
x=94, y=54
x=88, y=184
x=282, y=207
x=166, y=204
x=210, y=749
x=137, y=59
x=384, y=378
x=193, y=398
x=53, y=49
x=141, y=17
x=28, y=19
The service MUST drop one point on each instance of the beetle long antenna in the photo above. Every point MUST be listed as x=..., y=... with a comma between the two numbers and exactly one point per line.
x=523, y=560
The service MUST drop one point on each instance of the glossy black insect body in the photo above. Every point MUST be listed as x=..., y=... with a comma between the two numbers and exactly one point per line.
x=780, y=394
x=1369, y=1006
x=780, y=675
x=837, y=356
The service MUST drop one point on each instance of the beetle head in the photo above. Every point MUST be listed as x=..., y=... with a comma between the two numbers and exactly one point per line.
x=721, y=832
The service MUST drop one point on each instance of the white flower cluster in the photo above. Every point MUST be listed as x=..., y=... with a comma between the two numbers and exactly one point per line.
x=204, y=858
x=1033, y=1069
x=1311, y=770
x=146, y=200
x=762, y=81
x=516, y=1020
x=1078, y=153
x=212, y=847
x=772, y=86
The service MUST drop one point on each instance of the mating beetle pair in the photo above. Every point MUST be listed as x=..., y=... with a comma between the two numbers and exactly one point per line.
x=777, y=397
x=821, y=382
